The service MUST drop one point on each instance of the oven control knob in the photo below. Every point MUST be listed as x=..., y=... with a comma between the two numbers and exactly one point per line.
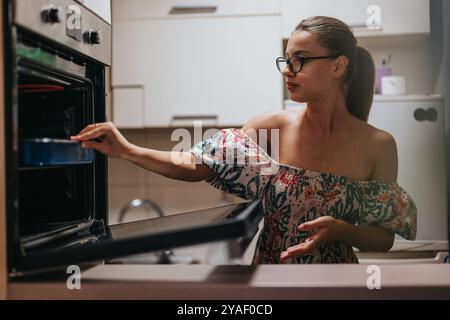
x=51, y=15
x=92, y=37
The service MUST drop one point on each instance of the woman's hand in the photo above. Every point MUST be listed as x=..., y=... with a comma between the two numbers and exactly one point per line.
x=328, y=230
x=105, y=138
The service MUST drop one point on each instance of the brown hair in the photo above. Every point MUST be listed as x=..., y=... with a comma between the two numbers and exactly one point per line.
x=338, y=38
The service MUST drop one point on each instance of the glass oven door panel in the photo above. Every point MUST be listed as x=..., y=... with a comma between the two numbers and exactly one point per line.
x=52, y=107
x=54, y=197
x=55, y=178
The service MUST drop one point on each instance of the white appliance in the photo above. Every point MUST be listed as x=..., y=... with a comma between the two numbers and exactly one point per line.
x=417, y=124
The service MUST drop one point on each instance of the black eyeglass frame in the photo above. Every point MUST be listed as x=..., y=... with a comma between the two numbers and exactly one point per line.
x=302, y=60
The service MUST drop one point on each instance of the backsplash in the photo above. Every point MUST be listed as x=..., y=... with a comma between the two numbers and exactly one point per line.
x=128, y=181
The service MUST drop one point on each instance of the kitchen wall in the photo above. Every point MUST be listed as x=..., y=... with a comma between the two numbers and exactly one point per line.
x=127, y=182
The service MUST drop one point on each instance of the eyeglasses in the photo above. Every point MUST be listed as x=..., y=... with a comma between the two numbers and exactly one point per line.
x=296, y=62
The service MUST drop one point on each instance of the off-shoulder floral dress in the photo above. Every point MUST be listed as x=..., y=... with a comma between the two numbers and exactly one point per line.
x=292, y=196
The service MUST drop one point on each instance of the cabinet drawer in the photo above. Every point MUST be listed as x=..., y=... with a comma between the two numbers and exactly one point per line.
x=157, y=9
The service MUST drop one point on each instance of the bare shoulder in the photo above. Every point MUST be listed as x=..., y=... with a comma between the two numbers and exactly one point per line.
x=385, y=155
x=270, y=120
x=382, y=140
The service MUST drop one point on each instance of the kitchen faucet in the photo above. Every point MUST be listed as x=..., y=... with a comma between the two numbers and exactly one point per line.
x=139, y=203
x=148, y=204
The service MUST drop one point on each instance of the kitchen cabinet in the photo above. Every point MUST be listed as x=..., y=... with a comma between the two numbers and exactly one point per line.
x=417, y=124
x=218, y=70
x=399, y=17
x=100, y=7
x=128, y=108
x=157, y=9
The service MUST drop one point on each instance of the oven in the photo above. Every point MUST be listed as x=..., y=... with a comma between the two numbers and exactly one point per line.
x=59, y=54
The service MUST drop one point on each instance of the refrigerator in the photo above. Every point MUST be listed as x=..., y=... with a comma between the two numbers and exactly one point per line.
x=418, y=125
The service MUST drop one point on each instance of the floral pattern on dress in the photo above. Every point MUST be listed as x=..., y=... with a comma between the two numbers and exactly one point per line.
x=292, y=196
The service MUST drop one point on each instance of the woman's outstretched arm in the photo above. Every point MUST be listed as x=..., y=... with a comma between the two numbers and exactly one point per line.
x=106, y=138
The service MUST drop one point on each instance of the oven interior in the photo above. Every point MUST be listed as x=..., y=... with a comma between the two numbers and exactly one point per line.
x=55, y=200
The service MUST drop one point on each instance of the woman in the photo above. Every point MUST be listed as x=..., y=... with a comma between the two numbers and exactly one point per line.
x=334, y=187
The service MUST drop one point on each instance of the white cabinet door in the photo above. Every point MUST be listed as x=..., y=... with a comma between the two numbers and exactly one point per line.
x=221, y=70
x=160, y=9
x=421, y=150
x=128, y=107
x=395, y=17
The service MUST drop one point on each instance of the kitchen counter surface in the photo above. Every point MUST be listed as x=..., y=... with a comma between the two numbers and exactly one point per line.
x=243, y=282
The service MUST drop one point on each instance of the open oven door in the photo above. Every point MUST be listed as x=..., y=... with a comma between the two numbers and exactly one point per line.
x=238, y=221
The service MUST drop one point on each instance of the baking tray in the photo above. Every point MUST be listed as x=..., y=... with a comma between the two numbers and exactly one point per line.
x=46, y=152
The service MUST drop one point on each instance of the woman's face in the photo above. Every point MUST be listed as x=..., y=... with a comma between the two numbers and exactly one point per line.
x=317, y=77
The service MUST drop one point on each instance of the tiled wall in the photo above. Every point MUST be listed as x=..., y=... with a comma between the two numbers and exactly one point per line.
x=127, y=182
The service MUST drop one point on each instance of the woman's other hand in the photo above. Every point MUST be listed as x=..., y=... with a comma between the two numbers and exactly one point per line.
x=105, y=138
x=328, y=230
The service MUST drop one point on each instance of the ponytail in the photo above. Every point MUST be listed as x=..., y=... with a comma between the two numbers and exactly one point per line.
x=361, y=90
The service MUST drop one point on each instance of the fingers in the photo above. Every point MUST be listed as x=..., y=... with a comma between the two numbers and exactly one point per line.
x=91, y=134
x=85, y=130
x=303, y=248
x=86, y=144
x=90, y=145
x=311, y=225
x=89, y=129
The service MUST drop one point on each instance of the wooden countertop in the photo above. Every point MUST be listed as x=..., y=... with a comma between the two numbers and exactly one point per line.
x=244, y=282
